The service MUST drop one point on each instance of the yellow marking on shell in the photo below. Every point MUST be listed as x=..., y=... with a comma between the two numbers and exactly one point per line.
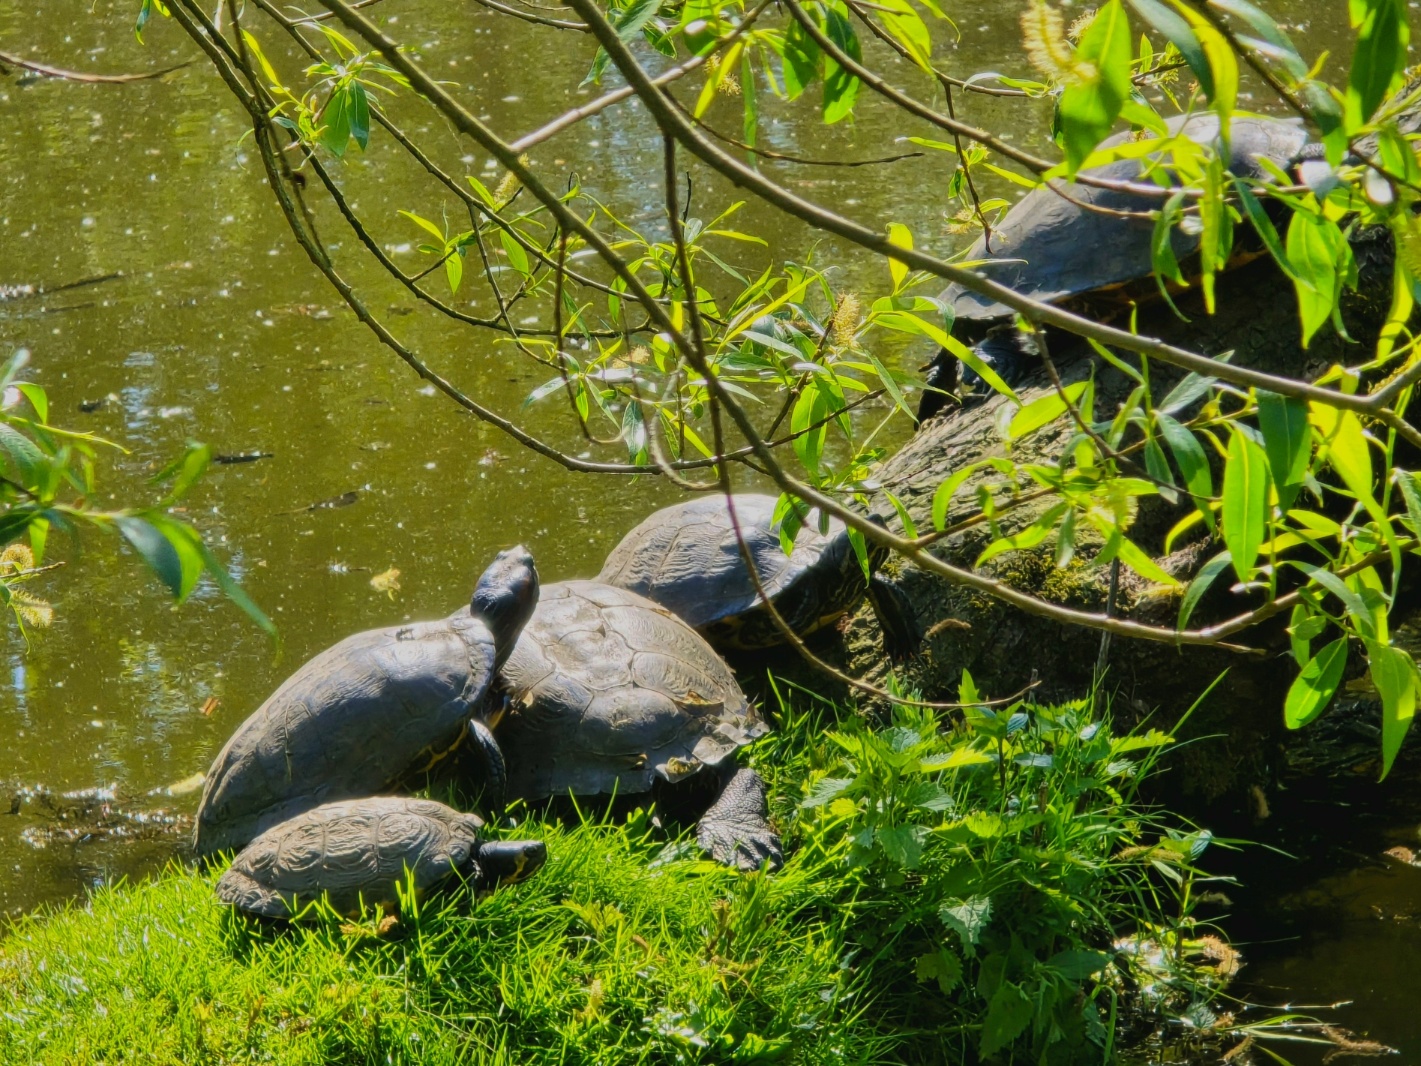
x=436, y=755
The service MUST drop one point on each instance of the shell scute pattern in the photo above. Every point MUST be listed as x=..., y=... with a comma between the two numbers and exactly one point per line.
x=354, y=852
x=350, y=722
x=1050, y=249
x=686, y=557
x=608, y=715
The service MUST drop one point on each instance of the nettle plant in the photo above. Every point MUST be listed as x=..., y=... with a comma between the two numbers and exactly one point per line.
x=1031, y=881
x=48, y=478
x=673, y=360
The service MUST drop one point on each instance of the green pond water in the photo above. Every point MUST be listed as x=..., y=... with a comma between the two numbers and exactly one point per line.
x=220, y=330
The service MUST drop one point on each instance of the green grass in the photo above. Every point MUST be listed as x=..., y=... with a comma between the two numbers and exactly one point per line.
x=925, y=915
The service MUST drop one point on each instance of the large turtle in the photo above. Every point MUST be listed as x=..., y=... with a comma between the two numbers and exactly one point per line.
x=687, y=558
x=368, y=713
x=1055, y=250
x=608, y=691
x=356, y=853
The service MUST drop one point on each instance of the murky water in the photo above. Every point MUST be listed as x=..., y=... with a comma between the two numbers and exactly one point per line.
x=221, y=331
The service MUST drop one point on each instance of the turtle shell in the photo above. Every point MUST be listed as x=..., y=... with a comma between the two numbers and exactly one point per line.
x=355, y=852
x=1050, y=249
x=351, y=722
x=609, y=691
x=686, y=558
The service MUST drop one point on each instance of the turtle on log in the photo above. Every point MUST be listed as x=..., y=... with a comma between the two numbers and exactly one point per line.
x=369, y=713
x=687, y=558
x=1069, y=244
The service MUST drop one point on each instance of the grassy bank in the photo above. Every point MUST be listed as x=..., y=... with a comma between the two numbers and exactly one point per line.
x=951, y=895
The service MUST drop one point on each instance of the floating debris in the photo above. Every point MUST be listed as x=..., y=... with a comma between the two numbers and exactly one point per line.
x=345, y=499
x=242, y=457
x=387, y=582
x=181, y=788
x=90, y=406
x=209, y=705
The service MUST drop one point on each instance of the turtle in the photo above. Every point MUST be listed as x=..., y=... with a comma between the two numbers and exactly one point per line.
x=356, y=853
x=687, y=558
x=369, y=713
x=607, y=692
x=1051, y=249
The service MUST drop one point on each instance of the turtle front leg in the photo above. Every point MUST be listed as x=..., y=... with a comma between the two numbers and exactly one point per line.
x=736, y=830
x=492, y=774
x=902, y=632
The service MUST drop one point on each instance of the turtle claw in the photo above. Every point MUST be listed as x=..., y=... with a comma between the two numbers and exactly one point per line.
x=736, y=830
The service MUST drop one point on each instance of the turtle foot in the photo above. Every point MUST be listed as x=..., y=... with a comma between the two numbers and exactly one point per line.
x=736, y=830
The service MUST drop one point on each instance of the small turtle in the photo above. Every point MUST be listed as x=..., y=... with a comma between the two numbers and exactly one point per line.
x=686, y=557
x=609, y=691
x=369, y=713
x=1053, y=250
x=356, y=853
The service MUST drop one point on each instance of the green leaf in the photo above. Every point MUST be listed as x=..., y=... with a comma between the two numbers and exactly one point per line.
x=335, y=121
x=903, y=844
x=1245, y=510
x=841, y=88
x=910, y=528
x=968, y=917
x=187, y=545
x=942, y=498
x=38, y=398
x=186, y=470
x=1314, y=247
x=359, y=114
x=1200, y=585
x=1287, y=440
x=900, y=237
x=1177, y=32
x=1079, y=964
x=454, y=269
x=1394, y=674
x=1090, y=106
x=1380, y=57
x=1223, y=66
x=1044, y=410
x=26, y=462
x=1312, y=690
x=800, y=60
x=155, y=550
x=236, y=593
x=517, y=256
x=1008, y=1014
x=826, y=790
x=1193, y=463
x=942, y=966
x=1345, y=447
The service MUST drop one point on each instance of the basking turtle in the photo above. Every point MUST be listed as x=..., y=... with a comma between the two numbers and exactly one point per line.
x=356, y=852
x=368, y=713
x=686, y=557
x=609, y=691
x=1051, y=249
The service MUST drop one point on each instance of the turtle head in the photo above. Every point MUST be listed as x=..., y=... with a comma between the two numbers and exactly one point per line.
x=506, y=862
x=505, y=597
